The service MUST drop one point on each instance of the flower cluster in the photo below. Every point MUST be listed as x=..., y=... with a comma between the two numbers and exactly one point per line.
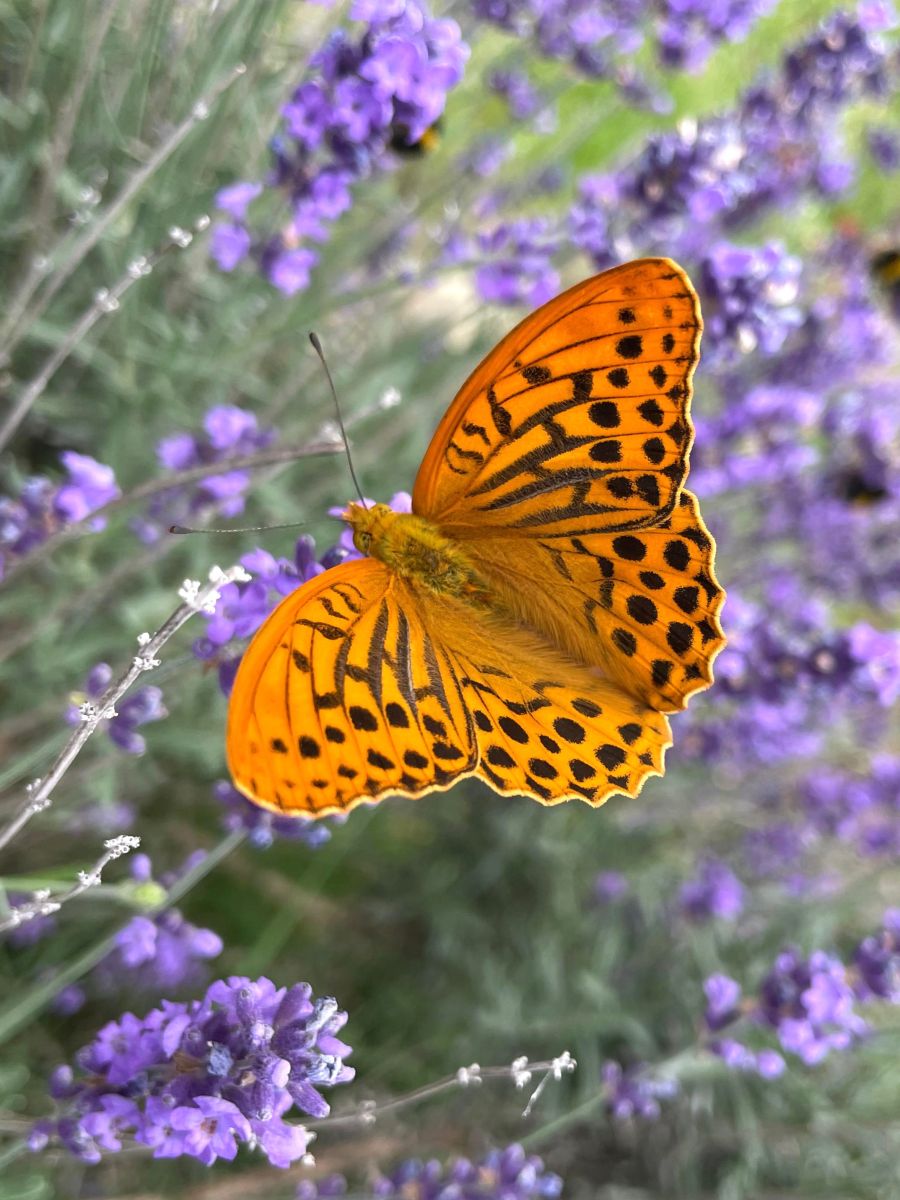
x=595, y=36
x=160, y=952
x=715, y=891
x=228, y=432
x=43, y=508
x=263, y=827
x=779, y=141
x=749, y=294
x=783, y=662
x=636, y=1093
x=858, y=810
x=517, y=265
x=510, y=1174
x=204, y=1077
x=387, y=85
x=139, y=708
x=810, y=1002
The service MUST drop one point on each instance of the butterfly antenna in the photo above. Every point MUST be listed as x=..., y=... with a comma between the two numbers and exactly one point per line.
x=317, y=346
x=246, y=529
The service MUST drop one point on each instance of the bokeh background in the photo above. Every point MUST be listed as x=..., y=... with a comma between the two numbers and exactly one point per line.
x=721, y=955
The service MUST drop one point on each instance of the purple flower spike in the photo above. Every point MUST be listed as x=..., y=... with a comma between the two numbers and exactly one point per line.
x=42, y=508
x=236, y=198
x=90, y=486
x=229, y=245
x=362, y=92
x=179, y=1079
x=715, y=892
x=508, y=1174
x=634, y=1094
x=138, y=708
x=228, y=432
x=723, y=995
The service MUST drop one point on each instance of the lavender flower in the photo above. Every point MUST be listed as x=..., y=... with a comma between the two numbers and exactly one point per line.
x=508, y=1174
x=140, y=707
x=810, y=1003
x=877, y=962
x=598, y=38
x=610, y=886
x=43, y=508
x=519, y=270
x=202, y=1078
x=690, y=29
x=360, y=95
x=228, y=432
x=636, y=1093
x=723, y=996
x=780, y=141
x=714, y=892
x=748, y=298
x=518, y=91
x=262, y=827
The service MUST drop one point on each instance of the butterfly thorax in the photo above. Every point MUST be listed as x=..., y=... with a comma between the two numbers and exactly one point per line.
x=417, y=550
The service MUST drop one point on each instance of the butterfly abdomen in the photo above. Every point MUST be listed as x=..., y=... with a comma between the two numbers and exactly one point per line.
x=417, y=551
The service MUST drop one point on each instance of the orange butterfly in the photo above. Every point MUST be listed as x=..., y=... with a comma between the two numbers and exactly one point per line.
x=549, y=598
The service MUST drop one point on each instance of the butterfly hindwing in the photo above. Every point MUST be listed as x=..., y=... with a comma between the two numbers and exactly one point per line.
x=641, y=606
x=345, y=695
x=545, y=726
x=578, y=421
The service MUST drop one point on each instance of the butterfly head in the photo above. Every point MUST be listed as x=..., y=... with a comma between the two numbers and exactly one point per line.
x=414, y=548
x=370, y=526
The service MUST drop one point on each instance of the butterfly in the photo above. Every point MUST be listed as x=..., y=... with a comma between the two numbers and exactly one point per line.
x=548, y=600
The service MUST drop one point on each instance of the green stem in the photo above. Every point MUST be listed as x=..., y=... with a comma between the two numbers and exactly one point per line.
x=15, y=1150
x=563, y=1122
x=20, y=1012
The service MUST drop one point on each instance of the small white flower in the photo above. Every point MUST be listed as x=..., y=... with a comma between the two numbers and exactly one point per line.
x=88, y=711
x=123, y=844
x=564, y=1065
x=189, y=592
x=469, y=1076
x=520, y=1073
x=89, y=879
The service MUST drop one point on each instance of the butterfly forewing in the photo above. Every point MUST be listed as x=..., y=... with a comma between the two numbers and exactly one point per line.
x=345, y=695
x=579, y=420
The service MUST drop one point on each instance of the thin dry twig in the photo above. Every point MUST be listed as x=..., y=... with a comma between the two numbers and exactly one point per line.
x=196, y=597
x=23, y=317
